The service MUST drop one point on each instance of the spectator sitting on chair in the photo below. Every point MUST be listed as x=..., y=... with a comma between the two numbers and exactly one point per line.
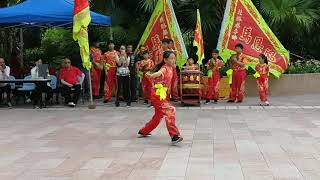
x=5, y=87
x=36, y=94
x=71, y=79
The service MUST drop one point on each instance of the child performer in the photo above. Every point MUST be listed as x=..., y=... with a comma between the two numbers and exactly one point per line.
x=190, y=64
x=262, y=73
x=161, y=80
x=96, y=69
x=145, y=66
x=239, y=75
x=214, y=65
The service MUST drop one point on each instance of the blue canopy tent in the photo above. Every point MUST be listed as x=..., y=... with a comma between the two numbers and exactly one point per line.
x=45, y=13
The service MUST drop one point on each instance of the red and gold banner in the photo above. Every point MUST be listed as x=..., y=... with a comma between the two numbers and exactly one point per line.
x=163, y=24
x=198, y=39
x=81, y=21
x=243, y=24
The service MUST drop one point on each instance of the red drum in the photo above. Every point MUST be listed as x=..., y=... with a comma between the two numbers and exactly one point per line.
x=190, y=86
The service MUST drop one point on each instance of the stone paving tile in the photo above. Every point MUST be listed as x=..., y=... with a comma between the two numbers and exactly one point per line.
x=221, y=143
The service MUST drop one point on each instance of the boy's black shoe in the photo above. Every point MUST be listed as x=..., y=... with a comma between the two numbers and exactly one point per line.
x=176, y=139
x=145, y=102
x=230, y=101
x=117, y=104
x=207, y=101
x=144, y=135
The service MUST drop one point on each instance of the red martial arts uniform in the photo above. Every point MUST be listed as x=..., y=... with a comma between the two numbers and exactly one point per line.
x=262, y=81
x=111, y=74
x=146, y=66
x=158, y=56
x=163, y=108
x=174, y=85
x=96, y=70
x=214, y=80
x=239, y=76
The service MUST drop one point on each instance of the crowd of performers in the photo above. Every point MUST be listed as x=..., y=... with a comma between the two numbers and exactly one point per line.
x=159, y=79
x=125, y=69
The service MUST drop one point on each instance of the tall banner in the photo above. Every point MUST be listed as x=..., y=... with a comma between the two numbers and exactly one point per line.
x=243, y=24
x=198, y=39
x=81, y=21
x=164, y=24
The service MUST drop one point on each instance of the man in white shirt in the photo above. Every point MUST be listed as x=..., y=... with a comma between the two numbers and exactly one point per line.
x=5, y=87
x=36, y=94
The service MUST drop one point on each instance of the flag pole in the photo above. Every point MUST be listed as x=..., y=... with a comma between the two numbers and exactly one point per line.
x=92, y=105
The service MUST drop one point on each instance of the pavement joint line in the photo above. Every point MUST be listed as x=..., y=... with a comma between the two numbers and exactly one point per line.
x=103, y=108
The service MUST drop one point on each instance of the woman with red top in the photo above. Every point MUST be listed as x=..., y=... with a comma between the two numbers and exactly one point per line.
x=161, y=81
x=97, y=68
x=111, y=58
x=145, y=66
x=214, y=66
x=239, y=75
x=262, y=70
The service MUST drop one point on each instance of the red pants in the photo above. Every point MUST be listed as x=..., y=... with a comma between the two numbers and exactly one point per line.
x=163, y=109
x=110, y=83
x=213, y=86
x=238, y=85
x=146, y=87
x=95, y=80
x=263, y=87
x=174, y=85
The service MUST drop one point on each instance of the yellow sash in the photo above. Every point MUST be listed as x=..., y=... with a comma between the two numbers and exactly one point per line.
x=229, y=74
x=161, y=91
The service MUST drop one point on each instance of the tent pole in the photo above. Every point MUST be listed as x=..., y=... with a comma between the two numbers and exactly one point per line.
x=21, y=45
x=111, y=33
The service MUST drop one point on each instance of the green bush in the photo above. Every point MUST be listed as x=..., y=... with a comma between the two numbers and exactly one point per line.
x=303, y=68
x=57, y=42
x=33, y=54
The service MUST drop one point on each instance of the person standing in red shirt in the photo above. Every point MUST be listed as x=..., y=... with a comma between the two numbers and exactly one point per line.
x=239, y=75
x=145, y=66
x=262, y=70
x=214, y=65
x=71, y=79
x=174, y=88
x=111, y=58
x=159, y=53
x=96, y=69
x=161, y=83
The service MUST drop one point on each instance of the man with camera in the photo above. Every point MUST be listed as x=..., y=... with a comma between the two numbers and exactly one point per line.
x=5, y=87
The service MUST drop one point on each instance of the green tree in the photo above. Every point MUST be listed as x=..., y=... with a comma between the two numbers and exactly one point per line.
x=292, y=21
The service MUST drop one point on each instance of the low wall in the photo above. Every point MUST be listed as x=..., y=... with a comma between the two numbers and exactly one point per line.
x=288, y=84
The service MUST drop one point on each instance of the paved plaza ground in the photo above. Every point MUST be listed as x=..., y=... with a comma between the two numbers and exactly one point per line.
x=221, y=142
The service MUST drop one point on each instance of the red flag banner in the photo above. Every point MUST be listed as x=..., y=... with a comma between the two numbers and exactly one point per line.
x=81, y=21
x=163, y=24
x=243, y=24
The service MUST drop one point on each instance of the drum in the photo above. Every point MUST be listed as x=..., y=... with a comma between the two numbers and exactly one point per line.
x=190, y=85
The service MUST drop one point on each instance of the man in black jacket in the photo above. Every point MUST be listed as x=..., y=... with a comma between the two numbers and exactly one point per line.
x=134, y=58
